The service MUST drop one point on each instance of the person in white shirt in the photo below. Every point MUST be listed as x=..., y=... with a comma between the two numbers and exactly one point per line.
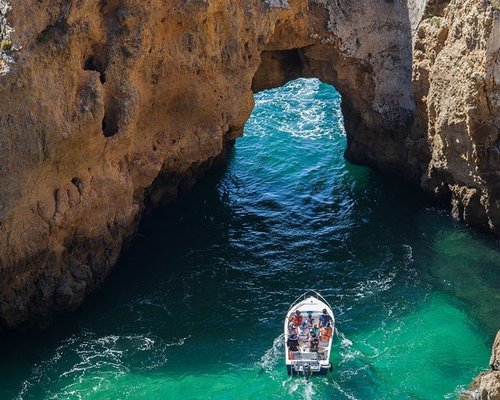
x=303, y=332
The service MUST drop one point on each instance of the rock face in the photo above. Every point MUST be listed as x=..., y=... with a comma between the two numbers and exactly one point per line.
x=456, y=84
x=487, y=385
x=111, y=106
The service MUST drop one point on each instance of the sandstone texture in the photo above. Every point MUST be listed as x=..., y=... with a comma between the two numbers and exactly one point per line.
x=108, y=107
x=487, y=385
x=111, y=106
x=456, y=77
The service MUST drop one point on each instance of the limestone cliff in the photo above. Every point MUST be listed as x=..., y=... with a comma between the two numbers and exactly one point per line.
x=111, y=106
x=456, y=84
x=487, y=385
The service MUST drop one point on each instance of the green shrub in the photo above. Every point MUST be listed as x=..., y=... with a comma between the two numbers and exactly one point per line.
x=435, y=21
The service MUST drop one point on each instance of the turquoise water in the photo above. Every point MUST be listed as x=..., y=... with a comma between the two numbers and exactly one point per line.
x=194, y=309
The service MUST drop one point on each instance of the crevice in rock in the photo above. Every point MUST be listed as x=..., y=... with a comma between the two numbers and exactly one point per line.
x=92, y=63
x=77, y=182
x=53, y=33
x=113, y=113
x=110, y=124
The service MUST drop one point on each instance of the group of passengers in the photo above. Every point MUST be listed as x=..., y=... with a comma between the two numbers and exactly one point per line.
x=307, y=333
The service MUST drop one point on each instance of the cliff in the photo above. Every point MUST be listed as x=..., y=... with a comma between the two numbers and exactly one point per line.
x=456, y=72
x=108, y=107
x=487, y=385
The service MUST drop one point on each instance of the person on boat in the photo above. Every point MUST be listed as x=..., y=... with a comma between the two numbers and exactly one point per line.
x=293, y=346
x=292, y=329
x=324, y=318
x=310, y=321
x=303, y=332
x=296, y=319
x=313, y=346
x=326, y=333
x=315, y=329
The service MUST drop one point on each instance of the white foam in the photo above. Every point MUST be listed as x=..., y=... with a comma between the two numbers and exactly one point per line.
x=100, y=361
x=296, y=110
x=273, y=356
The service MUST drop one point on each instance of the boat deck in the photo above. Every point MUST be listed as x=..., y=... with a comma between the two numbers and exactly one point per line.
x=304, y=358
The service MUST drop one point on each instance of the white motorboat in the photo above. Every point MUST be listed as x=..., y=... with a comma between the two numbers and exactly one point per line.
x=305, y=359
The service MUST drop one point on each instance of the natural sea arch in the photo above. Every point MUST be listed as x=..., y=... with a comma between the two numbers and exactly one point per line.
x=377, y=105
x=142, y=108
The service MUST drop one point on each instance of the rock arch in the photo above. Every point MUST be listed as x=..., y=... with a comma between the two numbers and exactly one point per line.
x=368, y=61
x=180, y=77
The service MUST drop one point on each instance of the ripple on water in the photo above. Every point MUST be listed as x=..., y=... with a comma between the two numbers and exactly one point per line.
x=96, y=363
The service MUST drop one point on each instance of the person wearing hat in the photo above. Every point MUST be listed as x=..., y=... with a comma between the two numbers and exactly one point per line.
x=303, y=332
x=296, y=319
x=310, y=321
x=324, y=318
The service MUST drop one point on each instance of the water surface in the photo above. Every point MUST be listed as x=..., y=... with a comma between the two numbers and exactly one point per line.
x=194, y=309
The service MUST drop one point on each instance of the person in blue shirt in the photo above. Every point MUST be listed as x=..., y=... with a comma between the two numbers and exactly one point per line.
x=310, y=321
x=324, y=318
x=315, y=329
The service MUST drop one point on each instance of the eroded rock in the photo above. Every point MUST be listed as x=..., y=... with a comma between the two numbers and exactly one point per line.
x=456, y=76
x=486, y=386
x=112, y=106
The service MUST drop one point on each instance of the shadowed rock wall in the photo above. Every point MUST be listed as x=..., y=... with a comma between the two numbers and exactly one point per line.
x=456, y=78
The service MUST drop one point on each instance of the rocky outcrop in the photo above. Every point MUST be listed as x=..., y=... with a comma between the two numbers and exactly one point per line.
x=456, y=84
x=487, y=384
x=111, y=106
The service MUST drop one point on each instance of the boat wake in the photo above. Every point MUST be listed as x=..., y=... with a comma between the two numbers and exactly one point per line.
x=272, y=359
x=305, y=389
x=271, y=364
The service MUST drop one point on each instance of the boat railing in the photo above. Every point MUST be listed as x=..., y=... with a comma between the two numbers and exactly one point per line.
x=307, y=293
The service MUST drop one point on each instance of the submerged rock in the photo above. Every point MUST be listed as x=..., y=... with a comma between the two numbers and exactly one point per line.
x=110, y=107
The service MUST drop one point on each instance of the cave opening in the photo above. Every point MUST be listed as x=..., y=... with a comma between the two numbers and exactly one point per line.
x=109, y=125
x=92, y=63
x=112, y=114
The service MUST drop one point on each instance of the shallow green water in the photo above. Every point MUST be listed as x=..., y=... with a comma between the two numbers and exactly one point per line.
x=194, y=309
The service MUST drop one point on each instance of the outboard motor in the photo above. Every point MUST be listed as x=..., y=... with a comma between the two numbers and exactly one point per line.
x=307, y=371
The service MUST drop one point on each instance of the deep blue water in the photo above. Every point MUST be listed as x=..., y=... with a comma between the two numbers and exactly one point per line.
x=194, y=309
